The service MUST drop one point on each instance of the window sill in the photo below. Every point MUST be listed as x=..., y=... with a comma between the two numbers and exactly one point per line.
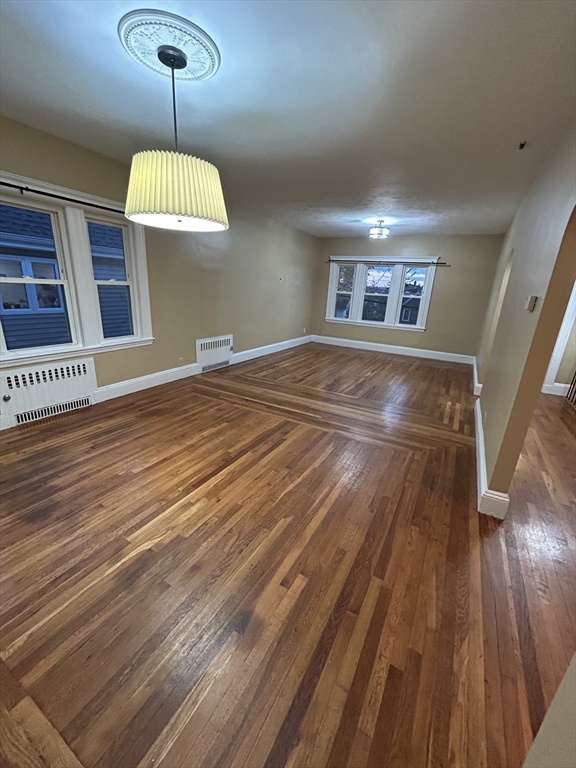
x=25, y=357
x=377, y=325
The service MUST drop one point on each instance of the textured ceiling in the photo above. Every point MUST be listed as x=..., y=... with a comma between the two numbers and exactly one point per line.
x=323, y=113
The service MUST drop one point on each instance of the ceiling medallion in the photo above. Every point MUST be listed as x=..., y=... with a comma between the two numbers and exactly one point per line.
x=144, y=32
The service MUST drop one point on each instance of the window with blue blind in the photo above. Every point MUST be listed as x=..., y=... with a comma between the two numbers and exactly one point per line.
x=110, y=275
x=33, y=309
x=72, y=276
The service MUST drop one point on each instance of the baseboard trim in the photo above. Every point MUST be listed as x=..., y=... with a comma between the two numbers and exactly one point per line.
x=130, y=386
x=494, y=503
x=392, y=349
x=269, y=349
x=480, y=452
x=477, y=385
x=489, y=502
x=561, y=390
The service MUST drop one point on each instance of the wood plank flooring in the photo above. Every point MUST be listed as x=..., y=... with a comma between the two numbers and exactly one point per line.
x=279, y=564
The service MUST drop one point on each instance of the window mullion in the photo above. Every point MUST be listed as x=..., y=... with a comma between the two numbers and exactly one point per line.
x=137, y=272
x=3, y=347
x=426, y=294
x=395, y=297
x=331, y=297
x=82, y=276
x=358, y=292
x=32, y=298
x=28, y=284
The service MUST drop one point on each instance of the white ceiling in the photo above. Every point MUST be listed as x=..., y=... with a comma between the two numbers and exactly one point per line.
x=323, y=112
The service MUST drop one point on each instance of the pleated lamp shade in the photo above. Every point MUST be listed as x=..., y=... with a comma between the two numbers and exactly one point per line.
x=175, y=191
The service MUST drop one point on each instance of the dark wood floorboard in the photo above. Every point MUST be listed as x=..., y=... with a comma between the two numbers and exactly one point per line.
x=279, y=564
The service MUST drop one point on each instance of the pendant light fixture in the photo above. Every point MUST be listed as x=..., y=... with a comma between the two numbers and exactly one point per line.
x=172, y=190
x=379, y=232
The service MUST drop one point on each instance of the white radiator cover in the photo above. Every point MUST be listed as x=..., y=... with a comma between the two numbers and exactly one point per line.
x=38, y=391
x=214, y=352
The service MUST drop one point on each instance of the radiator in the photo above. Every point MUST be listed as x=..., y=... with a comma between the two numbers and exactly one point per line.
x=214, y=352
x=38, y=391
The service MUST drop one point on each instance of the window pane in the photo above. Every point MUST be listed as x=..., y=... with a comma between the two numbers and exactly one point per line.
x=344, y=291
x=378, y=280
x=49, y=296
x=413, y=286
x=36, y=328
x=107, y=247
x=345, y=279
x=375, y=308
x=342, y=308
x=14, y=296
x=28, y=235
x=47, y=270
x=115, y=310
x=414, y=281
x=24, y=232
x=376, y=294
x=409, y=311
x=10, y=268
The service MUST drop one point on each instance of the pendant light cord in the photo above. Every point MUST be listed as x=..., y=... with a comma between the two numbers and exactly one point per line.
x=174, y=106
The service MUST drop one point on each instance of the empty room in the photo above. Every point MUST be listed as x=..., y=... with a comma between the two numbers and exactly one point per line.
x=288, y=384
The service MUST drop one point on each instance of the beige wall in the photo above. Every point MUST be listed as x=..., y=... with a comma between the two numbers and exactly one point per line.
x=254, y=281
x=523, y=341
x=555, y=742
x=459, y=297
x=39, y=155
x=568, y=362
x=497, y=296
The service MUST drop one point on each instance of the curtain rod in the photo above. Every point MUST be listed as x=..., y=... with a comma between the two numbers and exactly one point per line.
x=59, y=197
x=391, y=262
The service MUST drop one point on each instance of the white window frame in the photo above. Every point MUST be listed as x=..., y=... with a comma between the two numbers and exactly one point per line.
x=69, y=225
x=394, y=304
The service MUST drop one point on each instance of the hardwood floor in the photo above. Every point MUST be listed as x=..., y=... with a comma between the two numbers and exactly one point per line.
x=279, y=564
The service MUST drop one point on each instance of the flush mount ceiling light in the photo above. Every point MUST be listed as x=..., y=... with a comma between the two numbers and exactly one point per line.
x=379, y=232
x=172, y=190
